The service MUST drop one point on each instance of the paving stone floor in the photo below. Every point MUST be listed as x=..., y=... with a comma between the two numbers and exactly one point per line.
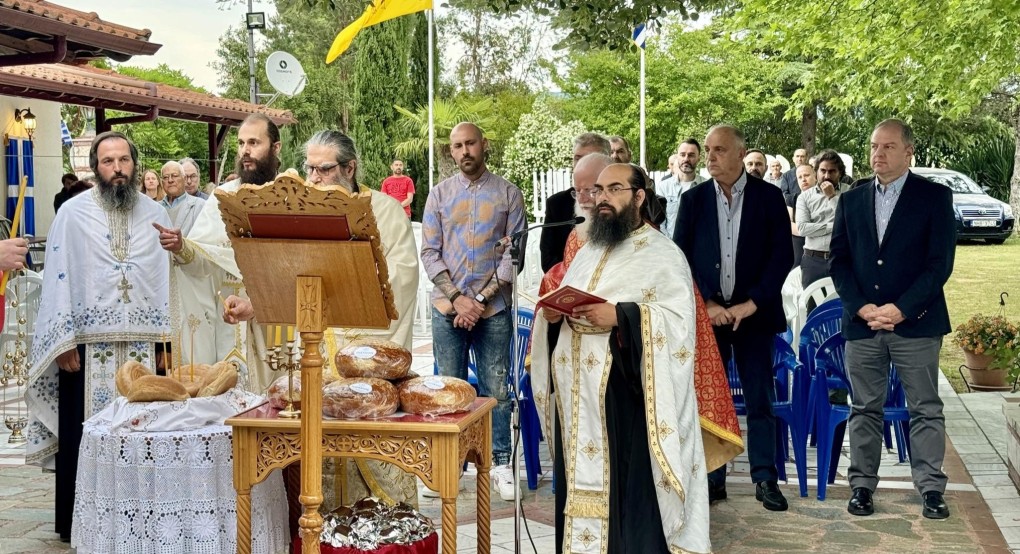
x=984, y=503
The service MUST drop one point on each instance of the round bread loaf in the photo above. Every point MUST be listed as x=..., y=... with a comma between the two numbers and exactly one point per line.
x=191, y=376
x=371, y=357
x=278, y=392
x=359, y=398
x=154, y=388
x=221, y=378
x=127, y=374
x=436, y=395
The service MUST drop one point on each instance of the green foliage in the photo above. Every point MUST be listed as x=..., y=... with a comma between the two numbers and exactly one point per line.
x=165, y=139
x=381, y=83
x=606, y=23
x=694, y=79
x=989, y=161
x=542, y=141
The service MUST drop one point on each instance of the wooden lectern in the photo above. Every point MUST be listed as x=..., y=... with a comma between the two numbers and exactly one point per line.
x=312, y=284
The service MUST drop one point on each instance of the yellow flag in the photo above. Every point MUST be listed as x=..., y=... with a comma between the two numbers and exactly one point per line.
x=379, y=11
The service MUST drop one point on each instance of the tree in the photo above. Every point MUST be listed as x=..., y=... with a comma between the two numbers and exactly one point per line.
x=414, y=126
x=381, y=83
x=165, y=139
x=900, y=56
x=607, y=23
x=542, y=141
x=694, y=79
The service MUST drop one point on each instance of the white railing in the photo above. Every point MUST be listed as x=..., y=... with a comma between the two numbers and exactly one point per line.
x=553, y=180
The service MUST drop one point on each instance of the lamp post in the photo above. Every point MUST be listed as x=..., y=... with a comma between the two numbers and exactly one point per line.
x=253, y=20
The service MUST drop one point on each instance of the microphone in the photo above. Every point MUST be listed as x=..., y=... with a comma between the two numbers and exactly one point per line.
x=505, y=241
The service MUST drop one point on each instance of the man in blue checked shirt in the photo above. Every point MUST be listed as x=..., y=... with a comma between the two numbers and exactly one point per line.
x=465, y=216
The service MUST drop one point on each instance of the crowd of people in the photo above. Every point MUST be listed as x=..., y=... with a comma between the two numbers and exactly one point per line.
x=632, y=389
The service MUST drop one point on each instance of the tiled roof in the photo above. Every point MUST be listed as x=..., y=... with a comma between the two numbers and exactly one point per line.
x=77, y=18
x=27, y=18
x=103, y=88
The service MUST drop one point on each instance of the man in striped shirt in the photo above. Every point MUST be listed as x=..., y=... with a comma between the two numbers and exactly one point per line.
x=464, y=218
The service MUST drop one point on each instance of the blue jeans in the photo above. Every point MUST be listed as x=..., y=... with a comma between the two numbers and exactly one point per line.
x=490, y=338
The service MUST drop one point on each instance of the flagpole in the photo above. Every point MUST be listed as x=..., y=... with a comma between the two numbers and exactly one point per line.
x=642, y=103
x=432, y=121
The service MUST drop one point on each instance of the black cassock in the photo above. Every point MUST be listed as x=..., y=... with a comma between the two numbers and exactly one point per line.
x=635, y=524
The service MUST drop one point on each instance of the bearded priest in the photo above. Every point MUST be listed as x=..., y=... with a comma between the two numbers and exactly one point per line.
x=104, y=301
x=624, y=385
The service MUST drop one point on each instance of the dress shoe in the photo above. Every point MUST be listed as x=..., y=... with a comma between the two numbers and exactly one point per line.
x=934, y=506
x=860, y=503
x=768, y=493
x=716, y=493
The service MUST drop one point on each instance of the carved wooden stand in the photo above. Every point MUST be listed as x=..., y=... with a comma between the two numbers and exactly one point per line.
x=310, y=325
x=434, y=449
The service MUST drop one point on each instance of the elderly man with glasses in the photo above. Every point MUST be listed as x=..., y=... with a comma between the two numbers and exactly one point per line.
x=192, y=178
x=182, y=207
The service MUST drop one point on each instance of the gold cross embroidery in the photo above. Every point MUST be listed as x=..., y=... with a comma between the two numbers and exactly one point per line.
x=664, y=484
x=590, y=362
x=682, y=355
x=660, y=340
x=562, y=361
x=648, y=295
x=586, y=537
x=590, y=450
x=664, y=429
x=639, y=244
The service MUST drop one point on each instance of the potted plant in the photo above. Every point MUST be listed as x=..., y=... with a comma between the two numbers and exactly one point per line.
x=990, y=346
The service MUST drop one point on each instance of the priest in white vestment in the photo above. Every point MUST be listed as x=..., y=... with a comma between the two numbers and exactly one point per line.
x=205, y=273
x=623, y=379
x=104, y=301
x=331, y=159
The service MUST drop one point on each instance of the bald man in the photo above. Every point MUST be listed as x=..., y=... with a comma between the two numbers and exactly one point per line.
x=741, y=287
x=464, y=218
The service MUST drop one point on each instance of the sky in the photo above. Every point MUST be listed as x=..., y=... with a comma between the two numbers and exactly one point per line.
x=189, y=30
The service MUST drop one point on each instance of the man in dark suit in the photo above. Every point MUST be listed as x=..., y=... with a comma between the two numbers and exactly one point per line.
x=735, y=231
x=893, y=244
x=560, y=206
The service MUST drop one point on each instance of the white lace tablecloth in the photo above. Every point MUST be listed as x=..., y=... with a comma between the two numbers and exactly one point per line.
x=168, y=493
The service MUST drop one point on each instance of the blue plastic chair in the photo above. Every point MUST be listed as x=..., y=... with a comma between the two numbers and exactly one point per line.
x=789, y=404
x=531, y=428
x=830, y=365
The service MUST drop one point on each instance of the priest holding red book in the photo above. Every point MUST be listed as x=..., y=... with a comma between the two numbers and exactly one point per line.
x=624, y=377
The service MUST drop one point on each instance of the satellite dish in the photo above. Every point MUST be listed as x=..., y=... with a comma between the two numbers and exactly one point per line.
x=285, y=73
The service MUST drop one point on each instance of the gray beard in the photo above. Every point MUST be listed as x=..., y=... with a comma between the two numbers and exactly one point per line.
x=583, y=227
x=117, y=198
x=608, y=230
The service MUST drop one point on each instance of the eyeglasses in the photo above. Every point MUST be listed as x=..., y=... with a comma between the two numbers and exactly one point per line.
x=323, y=169
x=191, y=177
x=611, y=190
x=168, y=176
x=586, y=193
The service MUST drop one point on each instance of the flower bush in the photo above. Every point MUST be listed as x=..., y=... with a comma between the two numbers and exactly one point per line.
x=994, y=336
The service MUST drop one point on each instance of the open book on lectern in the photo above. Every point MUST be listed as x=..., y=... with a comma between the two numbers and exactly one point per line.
x=289, y=228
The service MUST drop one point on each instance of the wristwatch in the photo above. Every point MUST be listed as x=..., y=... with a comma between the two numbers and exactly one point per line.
x=480, y=298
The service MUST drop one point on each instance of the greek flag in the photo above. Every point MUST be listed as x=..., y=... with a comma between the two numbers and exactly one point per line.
x=65, y=134
x=639, y=36
x=20, y=160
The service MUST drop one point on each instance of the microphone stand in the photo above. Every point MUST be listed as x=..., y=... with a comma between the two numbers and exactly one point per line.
x=514, y=387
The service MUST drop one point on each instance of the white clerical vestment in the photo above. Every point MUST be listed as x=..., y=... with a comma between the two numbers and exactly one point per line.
x=206, y=270
x=649, y=270
x=105, y=286
x=204, y=273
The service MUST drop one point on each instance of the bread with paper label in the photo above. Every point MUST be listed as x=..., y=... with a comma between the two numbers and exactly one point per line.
x=436, y=395
x=359, y=398
x=373, y=357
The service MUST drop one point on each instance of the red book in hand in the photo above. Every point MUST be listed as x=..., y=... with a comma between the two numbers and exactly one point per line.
x=565, y=299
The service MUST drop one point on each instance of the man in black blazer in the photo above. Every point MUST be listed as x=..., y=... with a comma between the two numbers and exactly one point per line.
x=560, y=206
x=735, y=231
x=892, y=250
